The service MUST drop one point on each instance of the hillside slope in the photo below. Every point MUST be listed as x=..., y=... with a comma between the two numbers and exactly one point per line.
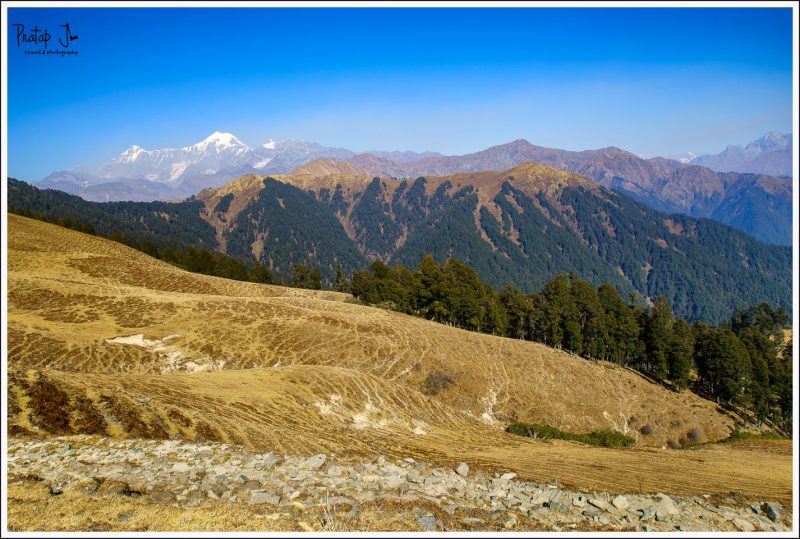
x=105, y=340
x=521, y=226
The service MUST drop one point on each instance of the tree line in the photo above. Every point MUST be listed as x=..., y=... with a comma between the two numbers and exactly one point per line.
x=743, y=363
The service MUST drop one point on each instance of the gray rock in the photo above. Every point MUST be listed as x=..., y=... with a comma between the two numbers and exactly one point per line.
x=558, y=506
x=263, y=496
x=180, y=467
x=662, y=516
x=270, y=461
x=599, y=503
x=665, y=505
x=743, y=525
x=508, y=476
x=579, y=501
x=462, y=469
x=620, y=502
x=647, y=513
x=429, y=523
x=316, y=462
x=774, y=511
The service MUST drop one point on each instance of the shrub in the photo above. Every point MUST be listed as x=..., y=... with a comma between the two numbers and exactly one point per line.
x=437, y=381
x=694, y=436
x=50, y=406
x=672, y=444
x=647, y=429
x=606, y=438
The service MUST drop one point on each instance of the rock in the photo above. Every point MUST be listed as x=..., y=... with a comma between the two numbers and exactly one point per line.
x=662, y=516
x=599, y=503
x=270, y=461
x=462, y=469
x=429, y=523
x=315, y=462
x=743, y=525
x=665, y=505
x=558, y=506
x=472, y=520
x=262, y=496
x=579, y=501
x=508, y=476
x=756, y=508
x=774, y=511
x=647, y=513
x=541, y=499
x=509, y=521
x=180, y=467
x=620, y=502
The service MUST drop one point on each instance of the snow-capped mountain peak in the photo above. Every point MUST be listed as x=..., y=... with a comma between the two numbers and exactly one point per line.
x=219, y=141
x=211, y=162
x=131, y=154
x=771, y=141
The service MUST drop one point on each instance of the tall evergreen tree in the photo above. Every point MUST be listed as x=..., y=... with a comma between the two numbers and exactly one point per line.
x=591, y=318
x=723, y=364
x=658, y=333
x=680, y=355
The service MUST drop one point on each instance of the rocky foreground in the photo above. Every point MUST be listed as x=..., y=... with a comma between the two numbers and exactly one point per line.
x=184, y=475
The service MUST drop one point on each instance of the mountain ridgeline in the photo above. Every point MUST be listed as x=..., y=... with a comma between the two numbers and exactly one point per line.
x=522, y=226
x=738, y=192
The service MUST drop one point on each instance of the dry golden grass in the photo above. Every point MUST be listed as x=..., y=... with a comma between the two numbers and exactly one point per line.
x=305, y=372
x=69, y=293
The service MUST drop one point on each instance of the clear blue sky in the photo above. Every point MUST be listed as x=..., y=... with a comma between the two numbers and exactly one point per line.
x=653, y=81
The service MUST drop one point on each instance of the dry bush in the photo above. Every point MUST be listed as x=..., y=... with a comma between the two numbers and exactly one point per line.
x=647, y=429
x=437, y=381
x=50, y=406
x=672, y=444
x=88, y=420
x=694, y=436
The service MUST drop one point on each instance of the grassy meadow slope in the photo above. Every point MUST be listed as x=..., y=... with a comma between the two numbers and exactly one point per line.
x=106, y=340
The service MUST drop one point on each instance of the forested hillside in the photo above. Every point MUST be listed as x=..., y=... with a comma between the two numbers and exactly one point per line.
x=522, y=227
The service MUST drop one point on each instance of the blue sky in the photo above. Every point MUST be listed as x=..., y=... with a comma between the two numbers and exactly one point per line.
x=653, y=81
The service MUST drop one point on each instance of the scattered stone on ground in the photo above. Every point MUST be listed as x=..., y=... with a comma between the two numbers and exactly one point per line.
x=186, y=474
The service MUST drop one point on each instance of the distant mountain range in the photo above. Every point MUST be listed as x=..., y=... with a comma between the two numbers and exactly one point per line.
x=770, y=155
x=757, y=204
x=523, y=226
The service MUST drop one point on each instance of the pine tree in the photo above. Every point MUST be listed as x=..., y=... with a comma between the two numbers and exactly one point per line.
x=723, y=364
x=591, y=318
x=259, y=273
x=340, y=283
x=681, y=352
x=657, y=338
